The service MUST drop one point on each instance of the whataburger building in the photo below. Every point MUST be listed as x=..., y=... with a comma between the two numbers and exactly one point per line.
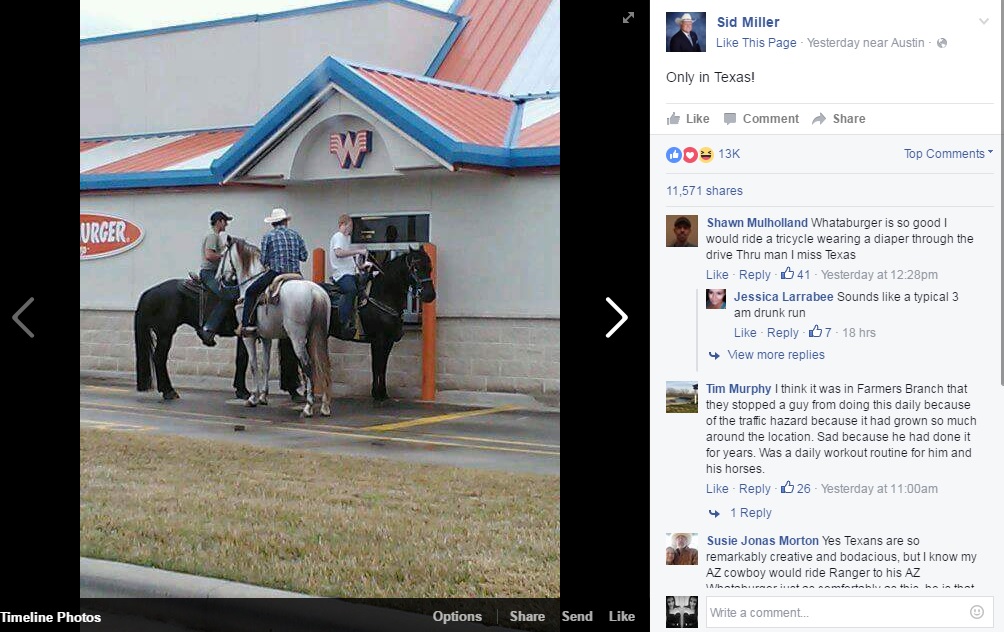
x=444, y=124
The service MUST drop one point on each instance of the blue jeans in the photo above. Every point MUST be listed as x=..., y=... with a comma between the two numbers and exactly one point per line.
x=215, y=320
x=349, y=286
x=254, y=290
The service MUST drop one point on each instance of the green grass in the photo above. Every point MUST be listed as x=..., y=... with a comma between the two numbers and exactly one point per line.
x=681, y=408
x=318, y=524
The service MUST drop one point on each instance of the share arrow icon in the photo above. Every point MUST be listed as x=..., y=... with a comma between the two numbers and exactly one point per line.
x=713, y=513
x=819, y=119
x=714, y=355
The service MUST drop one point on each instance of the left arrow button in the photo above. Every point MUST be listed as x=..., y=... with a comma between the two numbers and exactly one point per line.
x=609, y=333
x=31, y=335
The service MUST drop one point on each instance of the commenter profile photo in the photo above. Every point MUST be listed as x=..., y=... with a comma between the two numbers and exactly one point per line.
x=679, y=551
x=681, y=231
x=681, y=396
x=714, y=298
x=685, y=32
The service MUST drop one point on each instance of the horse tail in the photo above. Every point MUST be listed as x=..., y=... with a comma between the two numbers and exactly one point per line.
x=144, y=347
x=317, y=341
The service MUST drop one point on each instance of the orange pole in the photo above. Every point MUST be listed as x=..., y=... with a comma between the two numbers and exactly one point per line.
x=429, y=337
x=318, y=265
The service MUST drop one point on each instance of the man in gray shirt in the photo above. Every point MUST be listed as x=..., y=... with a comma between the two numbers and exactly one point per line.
x=213, y=245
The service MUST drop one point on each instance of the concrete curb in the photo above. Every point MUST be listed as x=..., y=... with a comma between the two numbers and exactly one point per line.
x=235, y=607
x=473, y=399
x=102, y=578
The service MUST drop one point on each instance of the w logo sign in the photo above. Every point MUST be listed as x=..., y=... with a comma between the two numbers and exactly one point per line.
x=350, y=147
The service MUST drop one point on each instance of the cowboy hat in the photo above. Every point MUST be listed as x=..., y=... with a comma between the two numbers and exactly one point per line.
x=684, y=18
x=278, y=215
x=676, y=535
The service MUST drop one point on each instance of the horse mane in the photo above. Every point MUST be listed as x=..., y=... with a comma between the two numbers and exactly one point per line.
x=401, y=261
x=246, y=253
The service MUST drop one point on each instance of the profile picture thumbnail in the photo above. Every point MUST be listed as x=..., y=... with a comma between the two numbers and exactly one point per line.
x=715, y=298
x=685, y=32
x=678, y=549
x=681, y=612
x=681, y=231
x=681, y=396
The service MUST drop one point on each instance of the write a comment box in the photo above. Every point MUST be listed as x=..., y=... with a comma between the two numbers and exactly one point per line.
x=849, y=612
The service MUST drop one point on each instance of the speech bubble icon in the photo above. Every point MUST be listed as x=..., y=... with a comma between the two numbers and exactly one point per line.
x=730, y=118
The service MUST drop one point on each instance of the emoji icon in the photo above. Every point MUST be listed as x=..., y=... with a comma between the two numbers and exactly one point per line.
x=673, y=154
x=689, y=154
x=707, y=154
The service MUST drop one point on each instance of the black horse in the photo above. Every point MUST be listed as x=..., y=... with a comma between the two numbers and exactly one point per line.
x=381, y=315
x=165, y=307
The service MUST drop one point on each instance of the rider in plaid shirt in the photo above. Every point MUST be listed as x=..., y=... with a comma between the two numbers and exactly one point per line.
x=282, y=250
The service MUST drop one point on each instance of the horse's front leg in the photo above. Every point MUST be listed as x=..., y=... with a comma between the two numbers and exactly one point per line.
x=379, y=352
x=252, y=347
x=266, y=352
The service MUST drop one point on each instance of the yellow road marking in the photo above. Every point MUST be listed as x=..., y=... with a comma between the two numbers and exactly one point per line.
x=487, y=440
x=112, y=425
x=447, y=443
x=160, y=412
x=422, y=421
x=302, y=427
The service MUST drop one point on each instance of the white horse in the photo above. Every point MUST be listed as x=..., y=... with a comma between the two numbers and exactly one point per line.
x=302, y=315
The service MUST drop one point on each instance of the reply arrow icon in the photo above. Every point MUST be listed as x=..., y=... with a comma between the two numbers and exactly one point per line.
x=620, y=322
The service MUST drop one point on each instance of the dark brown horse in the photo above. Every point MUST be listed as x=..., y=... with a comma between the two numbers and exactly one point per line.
x=382, y=315
x=165, y=307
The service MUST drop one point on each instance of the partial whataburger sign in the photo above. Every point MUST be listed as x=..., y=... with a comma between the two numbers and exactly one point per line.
x=106, y=235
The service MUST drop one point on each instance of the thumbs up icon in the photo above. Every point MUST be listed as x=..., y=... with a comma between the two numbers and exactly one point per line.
x=816, y=332
x=787, y=274
x=674, y=118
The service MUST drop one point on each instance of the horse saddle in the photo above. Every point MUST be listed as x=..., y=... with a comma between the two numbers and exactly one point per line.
x=194, y=288
x=335, y=293
x=336, y=296
x=271, y=295
x=363, y=299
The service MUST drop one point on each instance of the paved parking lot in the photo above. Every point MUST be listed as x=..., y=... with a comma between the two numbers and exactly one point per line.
x=502, y=438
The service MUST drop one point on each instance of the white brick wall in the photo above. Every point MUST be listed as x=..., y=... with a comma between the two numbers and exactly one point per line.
x=479, y=354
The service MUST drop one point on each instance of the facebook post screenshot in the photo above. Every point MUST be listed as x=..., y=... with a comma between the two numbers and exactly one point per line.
x=825, y=320
x=321, y=288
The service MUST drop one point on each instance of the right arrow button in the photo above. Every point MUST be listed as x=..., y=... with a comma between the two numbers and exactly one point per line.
x=620, y=322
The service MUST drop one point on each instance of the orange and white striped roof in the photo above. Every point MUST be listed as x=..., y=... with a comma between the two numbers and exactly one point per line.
x=541, y=123
x=167, y=152
x=469, y=116
x=507, y=46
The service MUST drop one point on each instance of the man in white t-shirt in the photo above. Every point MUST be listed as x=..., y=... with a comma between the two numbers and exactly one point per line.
x=343, y=272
